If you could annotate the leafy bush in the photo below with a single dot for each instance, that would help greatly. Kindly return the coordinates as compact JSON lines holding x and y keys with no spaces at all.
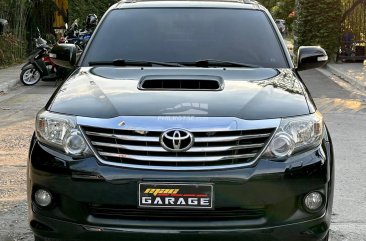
{"x":11,"y":49}
{"x":12,"y":44}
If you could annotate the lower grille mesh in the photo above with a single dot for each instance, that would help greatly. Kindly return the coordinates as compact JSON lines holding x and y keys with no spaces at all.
{"x":194,"y":215}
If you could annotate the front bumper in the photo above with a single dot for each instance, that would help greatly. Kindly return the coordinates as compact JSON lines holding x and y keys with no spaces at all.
{"x":312,"y":230}
{"x":276,"y":187}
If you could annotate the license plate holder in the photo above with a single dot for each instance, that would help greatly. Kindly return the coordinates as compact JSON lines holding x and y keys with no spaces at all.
{"x":175,"y":196}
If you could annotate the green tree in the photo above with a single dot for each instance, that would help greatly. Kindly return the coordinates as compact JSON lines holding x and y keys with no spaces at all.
{"x":42,"y":16}
{"x":82,"y":8}
{"x":268,"y":3}
{"x":319,"y":23}
{"x":283,"y":10}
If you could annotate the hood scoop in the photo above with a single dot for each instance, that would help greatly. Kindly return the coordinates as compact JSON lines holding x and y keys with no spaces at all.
{"x":181,"y":83}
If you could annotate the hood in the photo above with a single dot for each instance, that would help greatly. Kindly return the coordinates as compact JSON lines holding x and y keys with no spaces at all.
{"x":107,"y":92}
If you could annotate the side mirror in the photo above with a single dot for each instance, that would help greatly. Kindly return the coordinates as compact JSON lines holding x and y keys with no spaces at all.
{"x":3,"y":24}
{"x":64,"y":55}
{"x":311,"y":57}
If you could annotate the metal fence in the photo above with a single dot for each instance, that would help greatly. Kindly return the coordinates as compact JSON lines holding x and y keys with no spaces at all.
{"x":353,"y":39}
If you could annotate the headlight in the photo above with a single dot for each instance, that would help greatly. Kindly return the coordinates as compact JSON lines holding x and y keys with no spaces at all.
{"x":294,"y":135}
{"x":61,"y":132}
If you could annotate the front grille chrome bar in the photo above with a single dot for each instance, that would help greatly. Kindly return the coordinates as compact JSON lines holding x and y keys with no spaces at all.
{"x":198,"y":139}
{"x":125,"y":137}
{"x":229,"y":138}
{"x":160,"y":149}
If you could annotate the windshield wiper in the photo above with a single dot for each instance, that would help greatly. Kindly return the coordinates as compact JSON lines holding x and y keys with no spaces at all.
{"x":128,"y":62}
{"x":222,"y":63}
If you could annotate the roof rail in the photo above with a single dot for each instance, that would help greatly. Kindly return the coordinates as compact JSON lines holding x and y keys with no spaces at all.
{"x":243,"y":1}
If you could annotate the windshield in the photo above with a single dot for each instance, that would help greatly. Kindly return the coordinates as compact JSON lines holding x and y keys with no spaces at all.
{"x":186,"y":35}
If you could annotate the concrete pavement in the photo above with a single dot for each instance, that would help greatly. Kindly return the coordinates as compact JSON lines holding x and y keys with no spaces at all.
{"x":353,"y":73}
{"x":9,"y":78}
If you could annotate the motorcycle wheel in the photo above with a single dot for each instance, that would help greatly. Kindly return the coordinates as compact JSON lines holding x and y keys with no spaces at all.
{"x":30,"y":76}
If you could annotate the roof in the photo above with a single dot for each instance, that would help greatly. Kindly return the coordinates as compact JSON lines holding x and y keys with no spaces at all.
{"x":246,"y":4}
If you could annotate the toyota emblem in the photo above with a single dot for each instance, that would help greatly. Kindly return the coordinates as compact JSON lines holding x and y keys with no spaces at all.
{"x":176,"y":140}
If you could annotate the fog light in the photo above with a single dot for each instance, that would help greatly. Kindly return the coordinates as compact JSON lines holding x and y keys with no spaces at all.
{"x":43,"y":198}
{"x":313,"y":201}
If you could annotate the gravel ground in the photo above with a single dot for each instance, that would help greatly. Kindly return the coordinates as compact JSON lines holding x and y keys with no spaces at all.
{"x":14,"y":141}
{"x":17,"y":115}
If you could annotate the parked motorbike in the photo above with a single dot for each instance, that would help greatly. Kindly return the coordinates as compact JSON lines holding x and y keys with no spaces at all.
{"x":80,"y":37}
{"x":85,"y":34}
{"x":351,"y":51}
{"x":39,"y":66}
{"x":71,"y":34}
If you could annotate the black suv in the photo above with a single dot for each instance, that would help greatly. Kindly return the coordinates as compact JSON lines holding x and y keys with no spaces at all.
{"x":182,"y":120}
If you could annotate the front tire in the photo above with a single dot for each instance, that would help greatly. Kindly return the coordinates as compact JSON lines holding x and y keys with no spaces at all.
{"x":30,"y":76}
{"x":36,"y":238}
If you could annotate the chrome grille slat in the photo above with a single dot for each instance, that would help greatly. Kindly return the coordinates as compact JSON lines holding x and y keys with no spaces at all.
{"x":125,"y":137}
{"x":176,"y":159}
{"x":160,"y":149}
{"x":213,"y":149}
{"x":230,"y":138}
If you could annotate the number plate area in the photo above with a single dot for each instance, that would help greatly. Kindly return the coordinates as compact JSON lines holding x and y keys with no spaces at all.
{"x":175,"y":196}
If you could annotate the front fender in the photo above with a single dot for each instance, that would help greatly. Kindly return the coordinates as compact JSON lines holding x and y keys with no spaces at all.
{"x":27,"y":65}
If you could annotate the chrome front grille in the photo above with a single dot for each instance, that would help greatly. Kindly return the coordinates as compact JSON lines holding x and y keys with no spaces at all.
{"x":211,"y":149}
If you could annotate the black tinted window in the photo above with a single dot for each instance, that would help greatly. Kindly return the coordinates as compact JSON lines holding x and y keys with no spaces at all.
{"x":187,"y":35}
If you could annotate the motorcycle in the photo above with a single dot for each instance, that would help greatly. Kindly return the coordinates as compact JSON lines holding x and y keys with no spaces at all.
{"x":74,"y":35}
{"x":71,"y":34}
{"x":83,"y":39}
{"x":39,"y":66}
{"x":351,"y":51}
